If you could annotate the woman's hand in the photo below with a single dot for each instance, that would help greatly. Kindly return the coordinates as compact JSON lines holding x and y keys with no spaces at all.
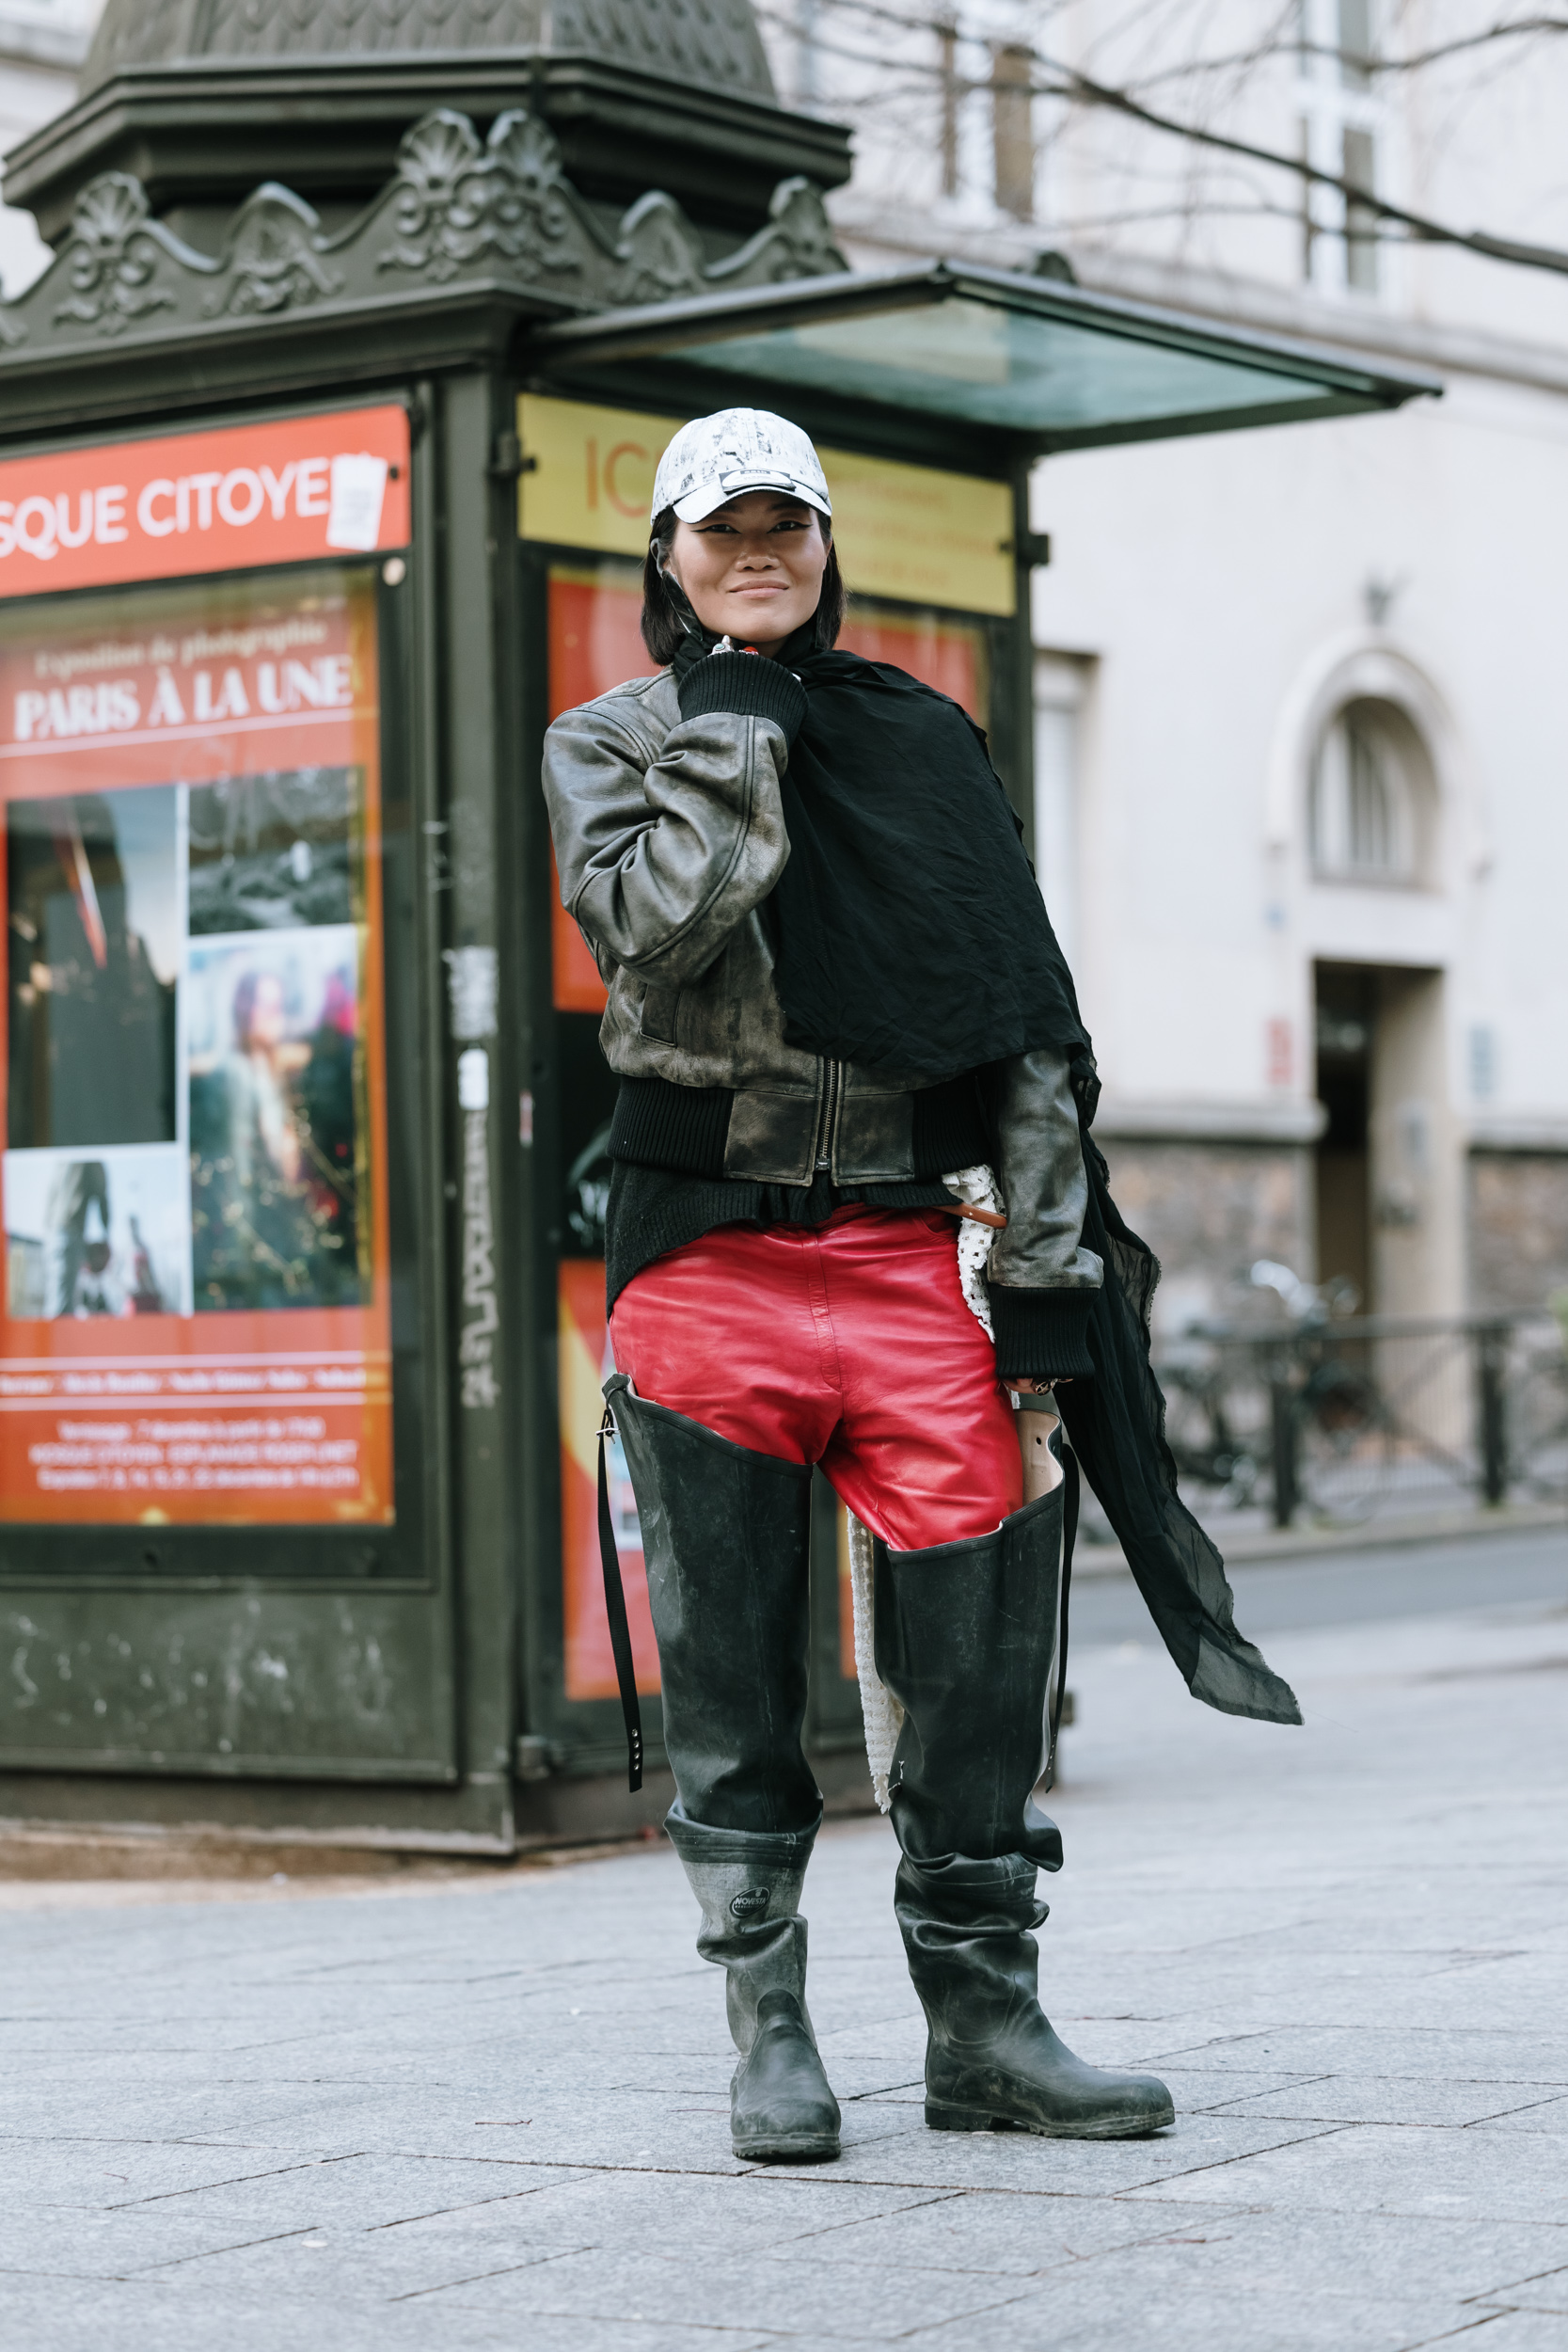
{"x":1036,"y":1388}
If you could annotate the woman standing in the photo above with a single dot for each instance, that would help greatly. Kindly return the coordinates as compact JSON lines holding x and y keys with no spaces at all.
{"x":832,"y":985}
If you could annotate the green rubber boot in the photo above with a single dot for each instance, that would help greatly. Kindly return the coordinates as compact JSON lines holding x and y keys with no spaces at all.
{"x":749,"y":1885}
{"x":966,"y":1637}
{"x":993,"y":2058}
{"x":726,"y":1539}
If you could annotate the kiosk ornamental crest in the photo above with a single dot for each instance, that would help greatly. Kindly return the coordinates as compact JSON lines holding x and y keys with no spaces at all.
{"x":457,"y":207}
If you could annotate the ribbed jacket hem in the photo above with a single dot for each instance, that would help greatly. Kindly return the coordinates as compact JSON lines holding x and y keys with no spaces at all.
{"x":1041,"y":1335}
{"x":660,"y":1125}
{"x":747,"y":683}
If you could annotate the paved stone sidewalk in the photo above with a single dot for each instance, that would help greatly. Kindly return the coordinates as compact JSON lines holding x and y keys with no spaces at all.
{"x":495,"y":2115}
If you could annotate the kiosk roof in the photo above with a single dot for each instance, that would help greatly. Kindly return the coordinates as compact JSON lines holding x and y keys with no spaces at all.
{"x":1017,"y":366}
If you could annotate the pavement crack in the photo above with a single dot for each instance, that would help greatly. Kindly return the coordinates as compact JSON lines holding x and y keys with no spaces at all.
{"x":1243,"y":2156}
{"x":237,"y":2179}
{"x":475,"y":2277}
{"x":208,"y":2253}
{"x":1448,"y":2334}
{"x":471,"y":2205}
{"x":853,"y":2221}
{"x":1534,"y":2277}
{"x":1552,"y":2099}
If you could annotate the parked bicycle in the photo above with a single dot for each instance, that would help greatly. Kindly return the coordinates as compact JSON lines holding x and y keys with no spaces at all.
{"x":1327,"y":1418}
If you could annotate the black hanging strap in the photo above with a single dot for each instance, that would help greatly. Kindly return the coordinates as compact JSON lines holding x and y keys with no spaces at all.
{"x":615,"y":1609}
{"x":1070,"y":1536}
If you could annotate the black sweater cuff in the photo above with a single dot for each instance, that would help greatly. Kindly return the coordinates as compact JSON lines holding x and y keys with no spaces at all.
{"x":747,"y":683}
{"x":1041,"y":1335}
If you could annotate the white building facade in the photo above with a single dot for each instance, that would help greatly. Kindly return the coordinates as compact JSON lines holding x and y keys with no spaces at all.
{"x":1302,"y":728}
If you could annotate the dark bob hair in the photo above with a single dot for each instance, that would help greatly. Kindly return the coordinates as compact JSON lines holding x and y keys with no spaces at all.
{"x":662,"y":628}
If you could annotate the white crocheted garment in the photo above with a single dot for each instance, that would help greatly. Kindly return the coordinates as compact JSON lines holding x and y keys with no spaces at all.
{"x":880,"y":1712}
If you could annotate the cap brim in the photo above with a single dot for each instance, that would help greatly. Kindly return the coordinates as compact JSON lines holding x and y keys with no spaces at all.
{"x":698,"y":504}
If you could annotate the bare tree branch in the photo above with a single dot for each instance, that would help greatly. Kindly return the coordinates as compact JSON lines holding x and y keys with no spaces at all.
{"x":1417,"y":224}
{"x":1529,"y":27}
{"x":1080,"y":89}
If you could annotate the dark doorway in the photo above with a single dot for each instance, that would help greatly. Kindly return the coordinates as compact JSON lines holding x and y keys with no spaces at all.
{"x":1346,"y":1018}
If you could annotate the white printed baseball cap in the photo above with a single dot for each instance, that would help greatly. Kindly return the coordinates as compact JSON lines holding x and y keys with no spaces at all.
{"x":714,"y":458}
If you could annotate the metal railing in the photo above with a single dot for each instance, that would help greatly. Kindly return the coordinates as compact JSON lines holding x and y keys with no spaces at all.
{"x":1335,"y":1421}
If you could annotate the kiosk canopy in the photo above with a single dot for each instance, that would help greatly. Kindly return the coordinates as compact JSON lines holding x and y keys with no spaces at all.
{"x":1029,"y":364}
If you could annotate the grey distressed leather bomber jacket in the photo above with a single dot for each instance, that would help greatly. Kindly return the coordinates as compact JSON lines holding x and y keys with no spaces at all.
{"x":669,"y":835}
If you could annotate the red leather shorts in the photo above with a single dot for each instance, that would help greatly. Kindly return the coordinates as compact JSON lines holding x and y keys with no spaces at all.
{"x":846,"y":1344}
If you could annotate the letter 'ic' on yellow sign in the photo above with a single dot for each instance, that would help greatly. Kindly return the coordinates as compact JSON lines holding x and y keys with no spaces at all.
{"x":909,"y":532}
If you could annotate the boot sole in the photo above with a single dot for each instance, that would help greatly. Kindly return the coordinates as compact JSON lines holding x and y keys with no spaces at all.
{"x":942,"y":2118}
{"x":805,"y":2147}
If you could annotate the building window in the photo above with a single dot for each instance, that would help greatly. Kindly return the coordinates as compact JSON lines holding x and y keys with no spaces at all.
{"x":1371,"y":798}
{"x":1061,"y":690}
{"x":1013,"y":131}
{"x":1359,"y":167}
{"x":807,"y":82}
{"x":1355,"y":44}
{"x":1343,"y":133}
{"x":948,"y":47}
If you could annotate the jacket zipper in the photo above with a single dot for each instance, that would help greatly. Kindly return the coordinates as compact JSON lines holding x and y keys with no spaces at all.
{"x":828,"y":1118}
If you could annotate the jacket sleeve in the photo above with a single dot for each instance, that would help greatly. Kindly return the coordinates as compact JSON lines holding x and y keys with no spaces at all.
{"x":1041,"y":1279}
{"x":660,"y":859}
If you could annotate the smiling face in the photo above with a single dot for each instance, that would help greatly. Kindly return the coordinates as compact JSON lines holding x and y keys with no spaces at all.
{"x":754,"y":569}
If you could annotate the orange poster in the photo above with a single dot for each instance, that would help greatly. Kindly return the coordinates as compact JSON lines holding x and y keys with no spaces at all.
{"x":196,"y":1239}
{"x":279,"y":492}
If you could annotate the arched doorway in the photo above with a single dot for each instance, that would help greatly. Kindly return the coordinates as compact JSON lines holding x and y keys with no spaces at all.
{"x":1382,"y":1179}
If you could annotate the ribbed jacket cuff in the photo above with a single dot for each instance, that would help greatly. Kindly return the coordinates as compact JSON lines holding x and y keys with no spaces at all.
{"x":1041,"y":1335}
{"x":747,"y":683}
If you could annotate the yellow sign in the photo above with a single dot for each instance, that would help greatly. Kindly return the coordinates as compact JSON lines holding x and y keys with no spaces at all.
{"x":910,"y":532}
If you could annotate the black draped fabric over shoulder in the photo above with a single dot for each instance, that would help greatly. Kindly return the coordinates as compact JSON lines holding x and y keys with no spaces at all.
{"x":909,"y":932}
{"x":1116,"y":1423}
{"x":909,"y":936}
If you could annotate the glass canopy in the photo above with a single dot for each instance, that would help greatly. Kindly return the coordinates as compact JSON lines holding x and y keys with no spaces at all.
{"x":1028,"y":364}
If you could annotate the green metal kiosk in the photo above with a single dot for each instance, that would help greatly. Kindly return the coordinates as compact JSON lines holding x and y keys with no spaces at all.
{"x":320,"y":493}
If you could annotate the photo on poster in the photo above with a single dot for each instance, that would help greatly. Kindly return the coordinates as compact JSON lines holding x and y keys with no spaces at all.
{"x":279,"y":1215}
{"x":275,"y":852}
{"x":101,"y":1234}
{"x":93,"y":943}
